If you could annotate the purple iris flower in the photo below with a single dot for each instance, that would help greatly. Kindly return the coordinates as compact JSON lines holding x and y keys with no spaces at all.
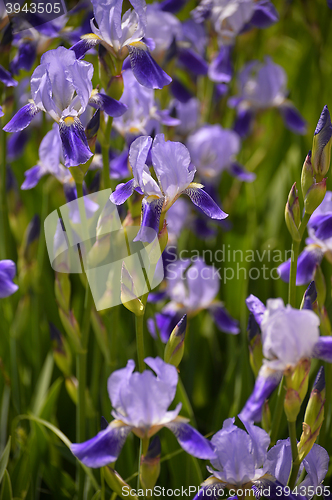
{"x":162,"y":27}
{"x":192,"y":287}
{"x":175,"y":173}
{"x":319,"y":244}
{"x":288,"y":336}
{"x":188,"y":112}
{"x":6,"y":78}
{"x":50,"y":159}
{"x":279,"y":464}
{"x":243,"y":461}
{"x":61,"y":86}
{"x":213,"y":150}
{"x":143,"y":114}
{"x":7,"y":274}
{"x":123,"y":35}
{"x":231,"y":17}
{"x":140,"y":402}
{"x":263,"y":86}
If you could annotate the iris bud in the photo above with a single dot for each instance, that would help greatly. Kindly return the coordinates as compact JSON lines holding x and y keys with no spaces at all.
{"x":321,"y":146}
{"x":150,"y":465}
{"x":314,"y":415}
{"x":175,"y":346}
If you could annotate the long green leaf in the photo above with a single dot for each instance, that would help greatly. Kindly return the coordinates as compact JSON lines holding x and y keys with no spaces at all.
{"x":65,"y":440}
{"x":4,"y":459}
{"x":6,"y":490}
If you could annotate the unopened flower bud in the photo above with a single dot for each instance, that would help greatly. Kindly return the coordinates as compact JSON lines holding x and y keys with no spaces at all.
{"x":255,"y":345}
{"x":292,"y":214}
{"x":266,"y":417}
{"x":72,"y":328}
{"x":62,"y":288}
{"x":307,"y":175}
{"x":314,"y":415}
{"x":314,"y":197}
{"x":297,"y":387}
{"x":71,"y":384}
{"x":117,"y":484}
{"x":101,"y":335}
{"x":128,"y":293}
{"x":175,"y":346}
{"x":150,"y":465}
{"x":309,"y":300}
{"x":321,"y":146}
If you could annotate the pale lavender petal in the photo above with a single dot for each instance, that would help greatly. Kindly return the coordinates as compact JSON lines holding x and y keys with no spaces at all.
{"x":115,"y":382}
{"x":165,"y":372}
{"x":191,"y":440}
{"x":316,"y":464}
{"x":103,"y":448}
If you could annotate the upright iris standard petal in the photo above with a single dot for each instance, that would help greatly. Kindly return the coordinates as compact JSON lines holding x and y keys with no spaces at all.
{"x":75,"y":145}
{"x":7,"y":274}
{"x":151,"y":212}
{"x":103,"y":448}
{"x":204,"y":201}
{"x":171,"y":162}
{"x":111,"y":106}
{"x":145,"y":68}
{"x":22,"y":118}
{"x":191,"y":440}
{"x":265,"y":384}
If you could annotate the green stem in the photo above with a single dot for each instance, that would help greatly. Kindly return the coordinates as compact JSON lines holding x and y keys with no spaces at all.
{"x":104,"y":152}
{"x":143,"y":448}
{"x":4,"y":240}
{"x":278,"y":412}
{"x":139,"y":323}
{"x":81,"y":358}
{"x":293,"y":440}
{"x":294,"y":257}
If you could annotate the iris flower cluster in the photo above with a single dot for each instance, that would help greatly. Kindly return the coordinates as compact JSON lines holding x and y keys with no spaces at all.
{"x":131,"y":121}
